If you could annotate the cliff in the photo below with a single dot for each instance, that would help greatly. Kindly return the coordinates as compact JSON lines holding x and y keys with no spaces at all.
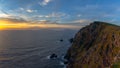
{"x":95,"y":46}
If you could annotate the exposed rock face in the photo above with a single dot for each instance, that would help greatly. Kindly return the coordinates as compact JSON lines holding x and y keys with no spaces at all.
{"x":95,"y":46}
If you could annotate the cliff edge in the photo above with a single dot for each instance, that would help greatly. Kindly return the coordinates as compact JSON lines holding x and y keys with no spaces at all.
{"x":95,"y":46}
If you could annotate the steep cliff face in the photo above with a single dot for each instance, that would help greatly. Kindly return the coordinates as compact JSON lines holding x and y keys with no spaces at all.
{"x":95,"y":46}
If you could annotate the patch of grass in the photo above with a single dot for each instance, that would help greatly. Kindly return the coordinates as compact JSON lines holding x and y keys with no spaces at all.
{"x":116,"y":65}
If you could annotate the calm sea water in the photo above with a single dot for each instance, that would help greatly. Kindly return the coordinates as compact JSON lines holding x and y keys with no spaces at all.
{"x":31,"y":48}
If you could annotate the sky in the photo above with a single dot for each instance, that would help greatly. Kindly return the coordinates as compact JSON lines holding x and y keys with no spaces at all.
{"x":60,"y":11}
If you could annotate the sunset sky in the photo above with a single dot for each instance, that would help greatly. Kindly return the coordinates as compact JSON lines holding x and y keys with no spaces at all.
{"x":58,"y":11}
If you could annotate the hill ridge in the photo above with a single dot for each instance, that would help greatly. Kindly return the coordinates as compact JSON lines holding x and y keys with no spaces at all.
{"x":95,"y":46}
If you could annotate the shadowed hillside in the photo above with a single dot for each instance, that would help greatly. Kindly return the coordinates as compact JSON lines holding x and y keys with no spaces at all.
{"x":95,"y":46}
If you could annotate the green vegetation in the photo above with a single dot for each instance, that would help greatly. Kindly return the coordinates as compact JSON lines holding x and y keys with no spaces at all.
{"x":95,"y":46}
{"x":116,"y":65}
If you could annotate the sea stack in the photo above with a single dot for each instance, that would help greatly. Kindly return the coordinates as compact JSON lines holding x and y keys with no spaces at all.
{"x":95,"y":46}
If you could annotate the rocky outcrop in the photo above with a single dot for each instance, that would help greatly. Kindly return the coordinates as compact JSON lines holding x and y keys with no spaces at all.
{"x":95,"y":46}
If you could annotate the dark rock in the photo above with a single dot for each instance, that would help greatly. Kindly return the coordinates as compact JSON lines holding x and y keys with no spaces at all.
{"x":71,"y":40}
{"x":61,"y":40}
{"x":65,"y":62}
{"x":53,"y":56}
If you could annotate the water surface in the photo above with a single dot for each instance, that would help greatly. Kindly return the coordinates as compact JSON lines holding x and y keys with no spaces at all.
{"x":30,"y":48}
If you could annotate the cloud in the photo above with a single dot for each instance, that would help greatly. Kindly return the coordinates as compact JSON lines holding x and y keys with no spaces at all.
{"x":4,"y":15}
{"x":57,"y":14}
{"x":13,"y":17}
{"x":16,"y":24}
{"x":40,"y":16}
{"x":13,"y":20}
{"x":21,"y":9}
{"x":29,"y":11}
{"x":52,"y":15}
{"x":45,"y":2}
{"x":26,"y":10}
{"x":79,"y":15}
{"x":82,"y":21}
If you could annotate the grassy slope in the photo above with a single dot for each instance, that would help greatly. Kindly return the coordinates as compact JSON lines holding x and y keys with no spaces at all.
{"x":99,"y":52}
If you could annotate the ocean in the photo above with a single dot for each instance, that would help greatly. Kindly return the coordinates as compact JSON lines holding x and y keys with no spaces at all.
{"x":32,"y":48}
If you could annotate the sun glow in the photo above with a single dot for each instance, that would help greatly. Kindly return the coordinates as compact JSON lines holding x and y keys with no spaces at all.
{"x":4,"y":26}
{"x":12,"y":25}
{"x":7,"y":25}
